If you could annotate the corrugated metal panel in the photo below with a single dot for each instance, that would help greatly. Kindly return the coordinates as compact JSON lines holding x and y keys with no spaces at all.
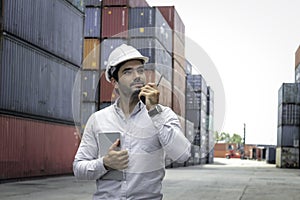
{"x":93,"y":3}
{"x":33,"y":148}
{"x":91,"y":54}
{"x":148,"y":22}
{"x":34,"y":82}
{"x":288,"y":136}
{"x":114,"y":22}
{"x":128,"y":3}
{"x":189,"y":130}
{"x":197,"y":83}
{"x":87,"y":108}
{"x":297,"y":74}
{"x":90,"y":85}
{"x":289,"y":93}
{"x":159,"y":58}
{"x":53,"y":25}
{"x":178,"y":99}
{"x":92,"y":22}
{"x":107,"y":46}
{"x":179,"y":51}
{"x":107,"y":92}
{"x":175,"y":22}
{"x":289,"y":114}
{"x":165,"y":89}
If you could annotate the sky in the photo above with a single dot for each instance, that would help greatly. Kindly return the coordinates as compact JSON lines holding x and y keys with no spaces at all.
{"x":252,"y":45}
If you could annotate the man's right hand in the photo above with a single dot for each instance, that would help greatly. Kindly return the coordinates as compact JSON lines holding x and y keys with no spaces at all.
{"x":116,"y":159}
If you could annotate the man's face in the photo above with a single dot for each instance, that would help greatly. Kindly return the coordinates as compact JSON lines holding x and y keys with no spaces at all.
{"x":131,"y":78}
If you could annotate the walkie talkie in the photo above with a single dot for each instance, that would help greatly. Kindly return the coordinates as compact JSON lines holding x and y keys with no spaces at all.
{"x":143,"y":98}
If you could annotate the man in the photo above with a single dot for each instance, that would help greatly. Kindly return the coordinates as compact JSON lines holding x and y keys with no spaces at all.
{"x":147,"y":131}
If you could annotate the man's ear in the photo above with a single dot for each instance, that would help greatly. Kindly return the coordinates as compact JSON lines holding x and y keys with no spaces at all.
{"x":114,"y":83}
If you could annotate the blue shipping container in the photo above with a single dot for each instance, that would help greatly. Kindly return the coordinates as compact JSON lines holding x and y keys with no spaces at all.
{"x":92,"y":22}
{"x":34,"y":82}
{"x":53,"y":25}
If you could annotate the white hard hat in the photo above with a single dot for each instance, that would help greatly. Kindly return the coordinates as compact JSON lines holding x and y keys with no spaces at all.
{"x":121,"y":54}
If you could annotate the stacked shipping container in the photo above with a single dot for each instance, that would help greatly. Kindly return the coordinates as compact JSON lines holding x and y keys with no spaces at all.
{"x":38,"y":69}
{"x":90,"y":71}
{"x":288,"y":131}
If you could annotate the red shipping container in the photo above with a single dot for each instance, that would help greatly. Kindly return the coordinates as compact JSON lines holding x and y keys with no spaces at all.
{"x":128,"y":3}
{"x":179,"y":88}
{"x":297,"y":57}
{"x":114,"y":22}
{"x":31,"y":148}
{"x":165,"y":88}
{"x":179,"y":51}
{"x":175,"y":22}
{"x":107,"y":91}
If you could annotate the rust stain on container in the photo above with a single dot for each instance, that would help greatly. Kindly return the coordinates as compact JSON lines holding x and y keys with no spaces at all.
{"x":114,"y":22}
{"x":31,"y":148}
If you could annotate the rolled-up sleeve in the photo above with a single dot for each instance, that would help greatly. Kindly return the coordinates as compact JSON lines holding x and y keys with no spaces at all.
{"x":87,"y":164}
{"x":175,"y":144}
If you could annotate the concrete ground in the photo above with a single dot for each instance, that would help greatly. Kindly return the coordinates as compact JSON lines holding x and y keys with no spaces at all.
{"x":232,"y":179}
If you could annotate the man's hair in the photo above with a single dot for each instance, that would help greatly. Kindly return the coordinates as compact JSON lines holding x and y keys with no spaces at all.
{"x":117,"y":68}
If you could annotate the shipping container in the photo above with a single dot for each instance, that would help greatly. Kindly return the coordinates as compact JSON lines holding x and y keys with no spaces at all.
{"x":92,"y":22}
{"x":126,"y":3}
{"x":289,"y":114}
{"x":107,"y":91}
{"x":34,"y":82}
{"x":287,"y":157}
{"x":189,"y":130}
{"x":107,"y":46}
{"x":179,"y":51}
{"x":159,"y":59}
{"x":196,"y":100}
{"x":53,"y":25}
{"x":92,"y":3}
{"x":297,"y":74}
{"x":197,"y":83}
{"x":288,"y":136}
{"x":148,"y":22}
{"x":90,"y":85}
{"x":297,"y":57}
{"x":31,"y":148}
{"x":271,"y":155}
{"x":289,"y":93}
{"x":86,"y":110}
{"x":114,"y":22}
{"x":178,"y":100}
{"x":174,"y":21}
{"x":165,"y":88}
{"x":196,"y":154}
{"x":91,"y":54}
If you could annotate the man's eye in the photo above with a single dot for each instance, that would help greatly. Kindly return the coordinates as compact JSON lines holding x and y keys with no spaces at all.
{"x":140,"y":71}
{"x":127,"y":72}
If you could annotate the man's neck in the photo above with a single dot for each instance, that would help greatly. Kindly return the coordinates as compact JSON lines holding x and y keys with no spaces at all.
{"x":127,"y":105}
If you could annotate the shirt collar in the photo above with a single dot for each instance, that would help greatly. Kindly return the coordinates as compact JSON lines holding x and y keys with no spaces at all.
{"x":138,"y":107}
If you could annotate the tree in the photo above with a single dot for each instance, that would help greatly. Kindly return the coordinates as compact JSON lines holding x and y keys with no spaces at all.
{"x":237,"y":139}
{"x":227,"y":138}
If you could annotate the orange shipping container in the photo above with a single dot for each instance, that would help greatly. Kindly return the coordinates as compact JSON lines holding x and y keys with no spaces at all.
{"x":91,"y":54}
